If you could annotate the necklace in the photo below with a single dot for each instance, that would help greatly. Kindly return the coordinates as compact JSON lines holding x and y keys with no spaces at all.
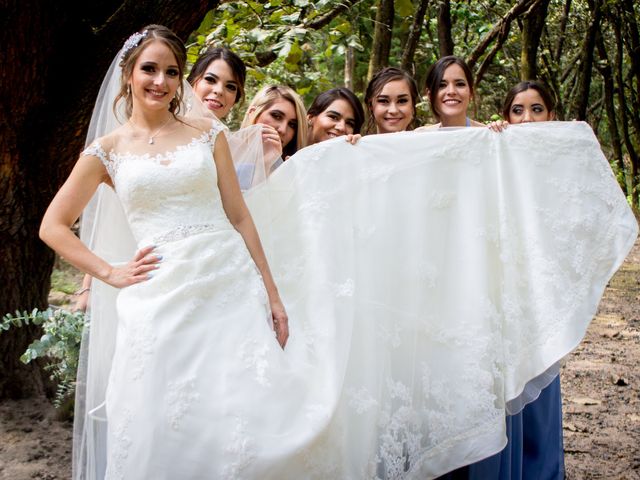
{"x":154,"y":134}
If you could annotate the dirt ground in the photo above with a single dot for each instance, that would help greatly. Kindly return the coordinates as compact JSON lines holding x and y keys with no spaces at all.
{"x":601,"y":397}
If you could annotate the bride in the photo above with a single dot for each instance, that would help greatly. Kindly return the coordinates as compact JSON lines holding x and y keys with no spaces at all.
{"x":429,"y":292}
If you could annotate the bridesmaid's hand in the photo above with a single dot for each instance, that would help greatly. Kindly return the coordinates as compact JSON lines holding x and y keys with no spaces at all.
{"x":352,"y":138}
{"x":271,"y":144}
{"x":137,"y":270}
{"x":280,"y":322}
{"x":498,"y":126}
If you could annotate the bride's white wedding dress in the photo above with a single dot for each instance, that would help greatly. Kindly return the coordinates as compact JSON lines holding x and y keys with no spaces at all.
{"x":429,"y":278}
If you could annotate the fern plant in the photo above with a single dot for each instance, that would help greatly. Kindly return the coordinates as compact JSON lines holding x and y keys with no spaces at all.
{"x":59,"y":344}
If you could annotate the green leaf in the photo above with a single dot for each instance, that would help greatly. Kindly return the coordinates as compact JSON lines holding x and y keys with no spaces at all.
{"x":295,"y":54}
{"x":344,"y":27}
{"x":207,"y":22}
{"x":404,"y":8}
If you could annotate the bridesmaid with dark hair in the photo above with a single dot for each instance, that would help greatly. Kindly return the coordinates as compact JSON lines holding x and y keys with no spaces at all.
{"x":450,"y":91}
{"x":391,"y":98}
{"x":534,"y":449}
{"x":218,"y":78}
{"x":334,"y":113}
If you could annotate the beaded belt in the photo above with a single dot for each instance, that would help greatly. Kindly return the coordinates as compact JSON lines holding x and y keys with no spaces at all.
{"x":180,"y":232}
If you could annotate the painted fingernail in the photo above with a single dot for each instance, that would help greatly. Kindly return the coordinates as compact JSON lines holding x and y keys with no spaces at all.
{"x":159,"y":257}
{"x":150,"y":275}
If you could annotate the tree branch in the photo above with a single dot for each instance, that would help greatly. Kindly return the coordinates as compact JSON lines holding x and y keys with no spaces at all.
{"x":414,"y":35}
{"x":319,"y":22}
{"x":500,"y":30}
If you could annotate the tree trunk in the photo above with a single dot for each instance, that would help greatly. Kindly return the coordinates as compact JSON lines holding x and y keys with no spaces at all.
{"x":586,"y":64}
{"x":414,"y":36}
{"x":381,"y":37}
{"x":445,"y":40}
{"x":53,"y":58}
{"x":604,"y":67}
{"x":631,"y":164}
{"x":632,"y":37}
{"x":349,"y":67}
{"x":563,"y":29}
{"x":531,"y":34}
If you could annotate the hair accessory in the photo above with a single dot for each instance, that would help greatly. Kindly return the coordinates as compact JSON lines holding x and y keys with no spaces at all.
{"x":132,"y":42}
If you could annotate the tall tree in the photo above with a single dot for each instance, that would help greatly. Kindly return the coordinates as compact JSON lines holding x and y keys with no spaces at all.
{"x":586,"y":63}
{"x":563,"y":29}
{"x":604,"y":67}
{"x":532,"y":26}
{"x":631,"y":160}
{"x":381,"y":37}
{"x":54,"y":56}
{"x":445,"y":39}
{"x":414,"y":35}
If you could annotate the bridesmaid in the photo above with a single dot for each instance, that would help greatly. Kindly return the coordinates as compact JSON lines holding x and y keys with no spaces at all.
{"x":534,"y":449}
{"x":450,"y":91}
{"x":281,"y":108}
{"x":334,"y":113}
{"x":391,"y":98}
{"x":528,"y":101}
{"x":218,"y":78}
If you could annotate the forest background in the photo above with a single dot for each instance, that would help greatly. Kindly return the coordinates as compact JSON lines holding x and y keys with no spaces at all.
{"x":55,"y":54}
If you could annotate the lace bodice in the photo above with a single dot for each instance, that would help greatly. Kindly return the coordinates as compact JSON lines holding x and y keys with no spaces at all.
{"x":167,"y":196}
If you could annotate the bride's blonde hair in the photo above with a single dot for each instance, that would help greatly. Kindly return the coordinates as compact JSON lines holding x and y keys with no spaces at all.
{"x":132,"y":49}
{"x":265,"y":98}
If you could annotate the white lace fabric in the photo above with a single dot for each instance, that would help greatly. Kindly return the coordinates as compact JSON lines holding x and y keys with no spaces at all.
{"x":430,"y":280}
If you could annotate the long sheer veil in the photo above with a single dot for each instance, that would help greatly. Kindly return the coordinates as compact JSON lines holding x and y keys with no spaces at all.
{"x":104,"y":229}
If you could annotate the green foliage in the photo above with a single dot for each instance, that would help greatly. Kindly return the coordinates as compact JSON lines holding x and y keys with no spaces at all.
{"x":59,"y":344}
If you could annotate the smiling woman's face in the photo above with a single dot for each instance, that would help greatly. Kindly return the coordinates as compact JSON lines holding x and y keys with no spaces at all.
{"x":218,"y":88}
{"x":336,"y":120}
{"x":454,"y":94}
{"x":391,"y":108}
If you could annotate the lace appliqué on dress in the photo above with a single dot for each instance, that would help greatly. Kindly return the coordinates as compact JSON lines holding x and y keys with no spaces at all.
{"x":140,"y":341}
{"x":242,"y":448}
{"x":253,"y":355}
{"x":180,"y":397}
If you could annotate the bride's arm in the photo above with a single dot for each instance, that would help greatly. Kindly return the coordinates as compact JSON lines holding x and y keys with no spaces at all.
{"x":64,"y":210}
{"x":239,"y":216}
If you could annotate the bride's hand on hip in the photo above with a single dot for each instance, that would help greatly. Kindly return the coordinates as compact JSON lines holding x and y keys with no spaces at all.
{"x":137,"y":270}
{"x":280,"y":322}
